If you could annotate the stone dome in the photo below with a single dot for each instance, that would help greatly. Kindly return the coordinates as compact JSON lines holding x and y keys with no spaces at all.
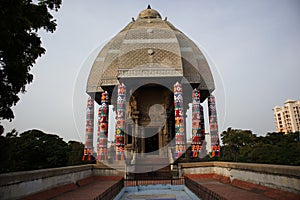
{"x":149,"y":47}
{"x":148,"y":13}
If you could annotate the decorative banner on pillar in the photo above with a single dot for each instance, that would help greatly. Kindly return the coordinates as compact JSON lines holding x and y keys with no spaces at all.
{"x":103,"y":127}
{"x":198,"y":131}
{"x":213,"y":123}
{"x":89,"y":131}
{"x":179,"y":121}
{"x":120,"y":122}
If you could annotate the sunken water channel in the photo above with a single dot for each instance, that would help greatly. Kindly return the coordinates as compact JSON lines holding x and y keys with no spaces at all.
{"x":156,"y":192}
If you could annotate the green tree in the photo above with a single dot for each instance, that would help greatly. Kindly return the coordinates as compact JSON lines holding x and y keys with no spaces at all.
{"x":274,"y":148}
{"x":20,"y":45}
{"x":8,"y":155}
{"x":235,"y":141}
{"x":75,"y":153}
{"x":35,"y":149}
{"x":277,"y":148}
{"x":275,"y":138}
{"x":39,"y":150}
{"x":1,"y":130}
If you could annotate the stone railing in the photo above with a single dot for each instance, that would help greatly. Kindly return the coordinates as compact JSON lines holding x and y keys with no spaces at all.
{"x":20,"y":184}
{"x":281,"y":177}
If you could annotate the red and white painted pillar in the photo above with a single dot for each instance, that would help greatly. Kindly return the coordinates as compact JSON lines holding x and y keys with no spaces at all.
{"x":213,"y":124}
{"x":120,"y":122}
{"x":180,"y":141}
{"x":198,"y":130}
{"x":89,"y":131}
{"x":103,"y":127}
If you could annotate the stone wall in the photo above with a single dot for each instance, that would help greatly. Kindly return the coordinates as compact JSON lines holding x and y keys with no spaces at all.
{"x":280,"y":177}
{"x":20,"y":184}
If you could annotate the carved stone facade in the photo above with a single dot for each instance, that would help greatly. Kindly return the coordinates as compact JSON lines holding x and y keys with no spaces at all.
{"x":150,"y":119}
{"x":149,"y":56}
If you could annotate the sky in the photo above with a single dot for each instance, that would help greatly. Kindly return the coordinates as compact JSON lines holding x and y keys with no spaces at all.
{"x":252,"y":48}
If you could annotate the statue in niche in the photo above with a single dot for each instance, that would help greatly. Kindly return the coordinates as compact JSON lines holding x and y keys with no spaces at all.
{"x":133,"y":103}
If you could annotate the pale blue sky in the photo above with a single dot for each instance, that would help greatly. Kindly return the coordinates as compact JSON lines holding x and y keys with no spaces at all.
{"x":254,"y":46}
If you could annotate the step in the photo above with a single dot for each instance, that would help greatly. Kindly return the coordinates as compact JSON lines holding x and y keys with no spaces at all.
{"x":152,"y":161}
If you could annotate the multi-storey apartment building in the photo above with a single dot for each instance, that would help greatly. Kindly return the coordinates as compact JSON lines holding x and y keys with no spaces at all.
{"x":287,"y":117}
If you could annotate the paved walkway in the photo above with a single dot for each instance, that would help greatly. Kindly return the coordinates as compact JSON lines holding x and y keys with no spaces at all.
{"x":109,"y":186}
{"x":227,"y":191}
{"x":211,"y":186}
{"x":86,"y":189}
{"x":93,"y":190}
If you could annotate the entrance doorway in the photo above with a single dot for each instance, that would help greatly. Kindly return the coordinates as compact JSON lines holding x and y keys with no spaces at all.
{"x":152,"y":143}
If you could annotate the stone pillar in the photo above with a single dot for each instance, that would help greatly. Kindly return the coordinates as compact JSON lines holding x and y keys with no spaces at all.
{"x":135,"y":138}
{"x":202,"y":133}
{"x":179,"y":121}
{"x":165,"y":132}
{"x":103,"y":127}
{"x":136,"y":134}
{"x":160,"y":140}
{"x":143,"y":141}
{"x":198,"y":132}
{"x":135,"y":131}
{"x":89,"y":134}
{"x":120,"y":122}
{"x":213,"y":124}
{"x":132,"y":136}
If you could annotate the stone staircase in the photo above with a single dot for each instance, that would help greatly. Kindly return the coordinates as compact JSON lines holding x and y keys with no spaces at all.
{"x":117,"y":165}
{"x":152,"y":167}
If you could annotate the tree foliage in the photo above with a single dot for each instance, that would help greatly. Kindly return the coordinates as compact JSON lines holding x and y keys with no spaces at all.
{"x":235,"y":140}
{"x":20,"y":45}
{"x":35,"y":149}
{"x":274,"y":148}
{"x":75,"y":153}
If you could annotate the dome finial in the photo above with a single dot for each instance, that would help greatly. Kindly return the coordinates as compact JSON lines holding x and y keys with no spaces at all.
{"x":148,"y":13}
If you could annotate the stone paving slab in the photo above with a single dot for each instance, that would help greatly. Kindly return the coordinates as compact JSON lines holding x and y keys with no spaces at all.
{"x":228,"y":191}
{"x":235,"y":191}
{"x":94,"y":187}
{"x":91,"y":190}
{"x":85,"y":189}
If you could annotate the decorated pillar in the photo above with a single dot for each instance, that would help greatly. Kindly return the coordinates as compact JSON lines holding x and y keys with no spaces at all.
{"x":213,"y":124}
{"x":120,"y":122}
{"x":198,"y":130}
{"x":103,"y":127}
{"x":179,"y":121}
{"x":89,"y":131}
{"x":202,"y":130}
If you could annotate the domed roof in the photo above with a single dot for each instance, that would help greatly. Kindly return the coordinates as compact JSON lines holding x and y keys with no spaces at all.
{"x":148,"y":13}
{"x":149,"y":47}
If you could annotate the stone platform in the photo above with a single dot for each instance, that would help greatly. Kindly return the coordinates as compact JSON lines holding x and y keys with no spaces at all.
{"x":221,"y":180}
{"x":98,"y":187}
{"x":204,"y":186}
{"x":211,"y":186}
